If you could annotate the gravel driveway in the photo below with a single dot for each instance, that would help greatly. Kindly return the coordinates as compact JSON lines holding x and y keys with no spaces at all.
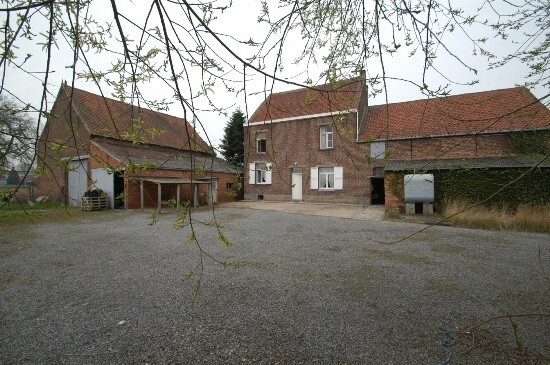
{"x":108,"y":288}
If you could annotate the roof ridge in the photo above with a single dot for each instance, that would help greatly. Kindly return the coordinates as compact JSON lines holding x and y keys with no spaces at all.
{"x":129,"y":104}
{"x":342,"y":83}
{"x":452,"y":96}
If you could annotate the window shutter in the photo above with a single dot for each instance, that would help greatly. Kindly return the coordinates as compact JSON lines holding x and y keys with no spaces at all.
{"x":314,"y":178}
{"x":338,"y":178}
{"x":268,"y":173}
{"x":252,"y":173}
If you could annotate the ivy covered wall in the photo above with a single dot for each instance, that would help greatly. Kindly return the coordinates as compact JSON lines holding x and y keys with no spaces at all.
{"x":475,"y":185}
{"x":531,"y":142}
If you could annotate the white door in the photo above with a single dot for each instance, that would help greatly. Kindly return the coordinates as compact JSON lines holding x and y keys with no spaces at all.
{"x":296,"y":186}
{"x":77,"y":181}
{"x":214,"y":190}
{"x":106,"y":182}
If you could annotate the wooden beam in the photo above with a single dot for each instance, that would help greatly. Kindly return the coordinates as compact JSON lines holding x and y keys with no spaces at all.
{"x":141,"y":201}
{"x":178,"y":198}
{"x":159,"y":189}
{"x":195,"y":195}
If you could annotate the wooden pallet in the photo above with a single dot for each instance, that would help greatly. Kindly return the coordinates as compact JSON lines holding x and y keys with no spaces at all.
{"x":94,"y":203}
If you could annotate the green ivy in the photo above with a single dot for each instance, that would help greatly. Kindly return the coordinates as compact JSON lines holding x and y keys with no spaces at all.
{"x":395,"y":183}
{"x":475,"y":185}
{"x":531,"y":142}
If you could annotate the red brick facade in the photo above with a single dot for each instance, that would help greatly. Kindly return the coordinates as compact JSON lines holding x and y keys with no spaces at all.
{"x":296,"y":144}
{"x":466,"y":127}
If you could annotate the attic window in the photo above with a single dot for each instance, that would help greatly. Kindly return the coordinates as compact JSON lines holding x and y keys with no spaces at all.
{"x":377,"y":150}
{"x":261,"y":143}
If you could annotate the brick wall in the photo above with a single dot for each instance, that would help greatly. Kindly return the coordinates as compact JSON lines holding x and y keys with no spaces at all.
{"x":62,"y":126}
{"x":451,"y":147}
{"x":99,"y":159}
{"x":297,"y":145}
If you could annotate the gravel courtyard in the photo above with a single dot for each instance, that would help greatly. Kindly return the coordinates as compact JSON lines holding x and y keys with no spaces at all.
{"x":109,"y":288}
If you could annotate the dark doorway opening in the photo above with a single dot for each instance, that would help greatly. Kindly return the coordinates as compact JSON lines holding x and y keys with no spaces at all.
{"x":377,"y":193}
{"x":118,"y":182}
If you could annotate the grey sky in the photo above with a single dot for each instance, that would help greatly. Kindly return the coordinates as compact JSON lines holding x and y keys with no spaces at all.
{"x":240,"y":22}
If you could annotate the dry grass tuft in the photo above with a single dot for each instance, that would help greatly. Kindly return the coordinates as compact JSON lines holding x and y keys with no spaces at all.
{"x":528,"y":218}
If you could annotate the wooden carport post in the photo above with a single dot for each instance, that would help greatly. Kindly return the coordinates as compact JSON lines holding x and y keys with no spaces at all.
{"x":178,"y":197}
{"x":141,"y":202}
{"x":159,"y":204}
{"x":195,"y":194}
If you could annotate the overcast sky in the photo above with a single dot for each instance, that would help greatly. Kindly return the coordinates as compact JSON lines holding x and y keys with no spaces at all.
{"x":240,"y":22}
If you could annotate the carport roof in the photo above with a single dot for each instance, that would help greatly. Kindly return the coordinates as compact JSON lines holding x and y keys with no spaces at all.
{"x":163,"y":158}
{"x":169,"y":180}
{"x":466,"y":163}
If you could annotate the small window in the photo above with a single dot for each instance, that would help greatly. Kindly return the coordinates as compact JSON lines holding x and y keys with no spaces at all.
{"x":378,"y":150}
{"x":326,"y":137}
{"x":261,"y":142}
{"x":326,"y":178}
{"x":229,"y":186}
{"x":261,"y":173}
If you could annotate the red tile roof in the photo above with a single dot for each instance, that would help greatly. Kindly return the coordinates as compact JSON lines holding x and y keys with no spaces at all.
{"x":111,"y":118}
{"x":482,"y":112}
{"x":344,"y":95}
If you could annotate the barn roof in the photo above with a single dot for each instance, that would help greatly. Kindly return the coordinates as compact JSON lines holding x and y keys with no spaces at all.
{"x":163,"y":157}
{"x":328,"y":98}
{"x":504,"y":110}
{"x":112,"y":118}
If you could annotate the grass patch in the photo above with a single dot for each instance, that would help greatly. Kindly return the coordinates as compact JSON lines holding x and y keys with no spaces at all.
{"x":39,"y":213}
{"x":526,"y":218}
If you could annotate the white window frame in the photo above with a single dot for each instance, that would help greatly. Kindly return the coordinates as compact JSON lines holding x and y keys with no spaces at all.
{"x":261,"y":136}
{"x":326,"y":137}
{"x":378,"y":150}
{"x":326,"y":178}
{"x":338,"y":178}
{"x":261,"y":169}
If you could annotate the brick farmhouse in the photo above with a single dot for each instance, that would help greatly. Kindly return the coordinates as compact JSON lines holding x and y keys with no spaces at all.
{"x":326,"y":144}
{"x":92,"y":142}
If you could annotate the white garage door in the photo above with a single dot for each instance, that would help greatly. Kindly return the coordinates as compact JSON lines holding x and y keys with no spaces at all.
{"x":104,"y":181}
{"x":78,"y":181}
